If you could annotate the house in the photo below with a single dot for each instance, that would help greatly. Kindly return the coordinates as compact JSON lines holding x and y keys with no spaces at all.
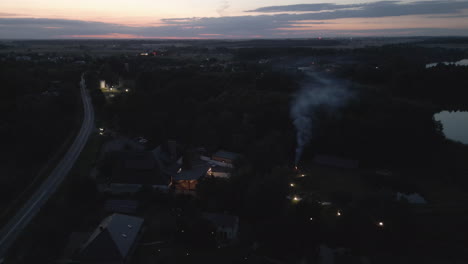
{"x":113,"y":241}
{"x":332,"y":161}
{"x":129,"y":171}
{"x":414,"y":198}
{"x":227,"y":226}
{"x":221,"y":158}
{"x":187,"y":179}
{"x":219,"y":171}
{"x":225,"y":157}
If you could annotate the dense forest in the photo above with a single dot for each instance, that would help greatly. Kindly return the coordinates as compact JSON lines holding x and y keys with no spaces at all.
{"x":248,"y":110}
{"x":41,"y":113}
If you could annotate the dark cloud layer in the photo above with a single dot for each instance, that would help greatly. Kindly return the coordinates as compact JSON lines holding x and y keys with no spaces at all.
{"x":263,"y":25}
{"x":303,"y":8}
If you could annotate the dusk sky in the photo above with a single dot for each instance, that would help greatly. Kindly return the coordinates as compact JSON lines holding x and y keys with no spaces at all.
{"x":204,"y":19}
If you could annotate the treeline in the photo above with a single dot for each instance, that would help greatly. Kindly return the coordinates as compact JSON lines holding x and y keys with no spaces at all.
{"x":400,"y":71}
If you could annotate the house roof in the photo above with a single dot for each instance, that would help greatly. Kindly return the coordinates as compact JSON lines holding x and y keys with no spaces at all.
{"x":414,"y":198}
{"x":139,"y":160}
{"x":136,"y":167}
{"x":222,"y":220}
{"x":113,"y":239}
{"x":226,"y":155}
{"x":220,"y":169}
{"x":121,"y":206}
{"x":194,"y":173}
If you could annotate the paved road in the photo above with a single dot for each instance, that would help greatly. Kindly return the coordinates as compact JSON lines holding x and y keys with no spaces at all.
{"x":13,"y":228}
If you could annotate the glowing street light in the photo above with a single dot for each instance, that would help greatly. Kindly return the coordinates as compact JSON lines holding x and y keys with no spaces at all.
{"x":311,"y":219}
{"x":101,"y":129}
{"x":380,"y":224}
{"x":292,"y":184}
{"x":338,"y":213}
{"x":296,"y":198}
{"x":127,"y":90}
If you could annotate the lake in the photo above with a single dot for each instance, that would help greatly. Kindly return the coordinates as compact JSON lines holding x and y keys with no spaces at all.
{"x":457,"y":63}
{"x":455,"y":125}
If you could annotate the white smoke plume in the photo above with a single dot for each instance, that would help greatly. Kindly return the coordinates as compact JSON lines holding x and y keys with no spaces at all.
{"x":224,"y":5}
{"x":315,"y":92}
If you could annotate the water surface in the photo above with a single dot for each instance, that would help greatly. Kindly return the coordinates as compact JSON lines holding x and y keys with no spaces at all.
{"x":457,"y":63}
{"x":455,"y":125}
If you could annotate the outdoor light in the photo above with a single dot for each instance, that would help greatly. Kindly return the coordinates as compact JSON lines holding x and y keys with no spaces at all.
{"x":311,"y":219}
{"x":381,"y":224}
{"x":296,"y":198}
{"x":126,"y":90}
{"x":292,"y":184}
{"x":338,"y":213}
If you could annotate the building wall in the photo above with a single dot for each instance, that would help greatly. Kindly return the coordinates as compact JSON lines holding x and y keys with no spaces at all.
{"x":186,"y":185}
{"x":221,"y":174}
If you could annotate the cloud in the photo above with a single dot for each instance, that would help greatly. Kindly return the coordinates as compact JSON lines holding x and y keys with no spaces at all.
{"x":374,"y":9}
{"x":306,"y":23}
{"x":8,"y":15}
{"x":303,"y":8}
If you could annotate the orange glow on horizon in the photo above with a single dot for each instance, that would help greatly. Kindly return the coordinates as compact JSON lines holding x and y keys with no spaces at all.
{"x":123,"y":36}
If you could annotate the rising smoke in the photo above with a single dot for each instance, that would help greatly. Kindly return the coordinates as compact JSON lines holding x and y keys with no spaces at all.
{"x":223,"y":6}
{"x":316,"y":92}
